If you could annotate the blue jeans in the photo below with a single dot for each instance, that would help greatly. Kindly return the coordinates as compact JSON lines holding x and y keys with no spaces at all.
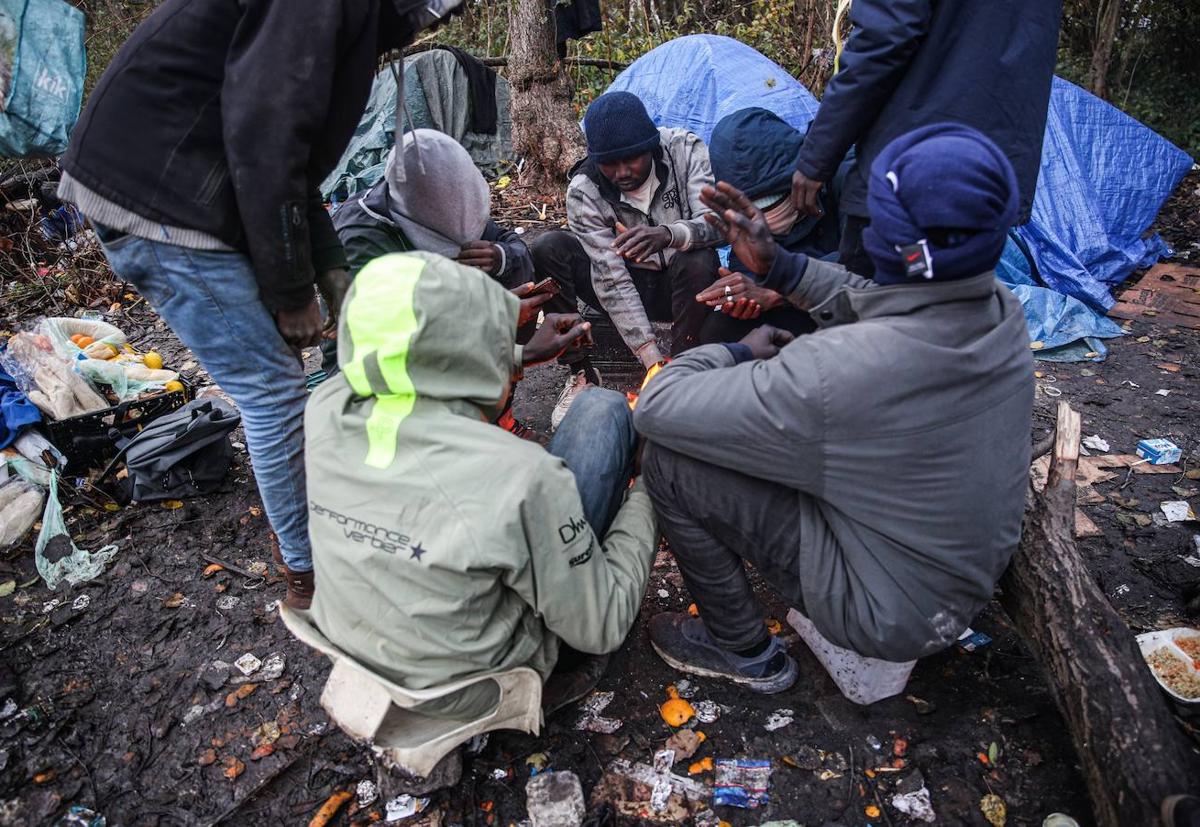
{"x":597,"y":442}
{"x":210,"y":299}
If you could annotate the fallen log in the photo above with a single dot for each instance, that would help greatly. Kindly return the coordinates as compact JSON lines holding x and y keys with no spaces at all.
{"x":1132,"y":751}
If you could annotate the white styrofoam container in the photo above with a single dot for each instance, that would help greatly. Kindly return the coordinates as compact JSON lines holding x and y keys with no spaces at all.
{"x":1150,"y":641}
{"x":861,"y":679}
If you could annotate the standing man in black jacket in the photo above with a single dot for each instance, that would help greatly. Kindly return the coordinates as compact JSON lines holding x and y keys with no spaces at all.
{"x":911,"y":63}
{"x":198,"y":159}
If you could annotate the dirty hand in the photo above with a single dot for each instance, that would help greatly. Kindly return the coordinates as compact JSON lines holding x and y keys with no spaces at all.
{"x":301,"y":326}
{"x":742,"y":224}
{"x":558,"y":332}
{"x":482,"y":254}
{"x":333,"y":285}
{"x":805,"y":192}
{"x":641,"y":242}
{"x":739,"y":296}
{"x":529,"y":304}
{"x":764,"y":342}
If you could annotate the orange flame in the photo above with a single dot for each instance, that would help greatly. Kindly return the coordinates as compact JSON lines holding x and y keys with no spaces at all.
{"x":650,"y":374}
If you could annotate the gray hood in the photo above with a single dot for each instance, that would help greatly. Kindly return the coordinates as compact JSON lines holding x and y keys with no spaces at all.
{"x":436,"y":195}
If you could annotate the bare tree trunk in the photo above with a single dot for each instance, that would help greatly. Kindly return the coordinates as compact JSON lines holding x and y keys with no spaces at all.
{"x":544,"y":129}
{"x":1108,"y":17}
{"x":1132,"y":752}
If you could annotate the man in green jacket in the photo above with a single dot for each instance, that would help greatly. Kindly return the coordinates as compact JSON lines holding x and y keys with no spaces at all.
{"x":444,"y":546}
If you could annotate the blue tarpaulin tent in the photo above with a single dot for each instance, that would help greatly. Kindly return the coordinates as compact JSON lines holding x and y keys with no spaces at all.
{"x":1103,"y":178}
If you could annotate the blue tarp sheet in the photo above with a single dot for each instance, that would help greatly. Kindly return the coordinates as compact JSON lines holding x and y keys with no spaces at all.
{"x":1103,"y":178}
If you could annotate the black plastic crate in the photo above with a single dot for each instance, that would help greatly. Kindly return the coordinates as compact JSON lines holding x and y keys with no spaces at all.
{"x":87,"y":440}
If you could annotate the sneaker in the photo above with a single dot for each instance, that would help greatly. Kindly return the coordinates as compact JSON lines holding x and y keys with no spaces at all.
{"x":1181,"y":811}
{"x":576,"y":382}
{"x":685,"y":644}
{"x":300,"y":589}
{"x":564,"y":688}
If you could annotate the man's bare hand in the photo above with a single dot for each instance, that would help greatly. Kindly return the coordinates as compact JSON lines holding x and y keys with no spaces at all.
{"x":641,"y":242}
{"x":739,"y":296}
{"x":742,"y":224}
{"x":529,"y":304}
{"x":559,"y":331}
{"x":805,"y":194}
{"x":482,"y":254}
{"x":333,"y":285}
{"x":300,"y":327}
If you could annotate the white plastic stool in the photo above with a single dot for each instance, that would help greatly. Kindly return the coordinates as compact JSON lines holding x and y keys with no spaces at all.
{"x":373,"y":710}
{"x":861,"y":679}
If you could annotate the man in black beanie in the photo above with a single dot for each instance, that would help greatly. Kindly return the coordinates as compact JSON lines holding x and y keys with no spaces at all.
{"x":637,"y":226}
{"x":834,"y":462}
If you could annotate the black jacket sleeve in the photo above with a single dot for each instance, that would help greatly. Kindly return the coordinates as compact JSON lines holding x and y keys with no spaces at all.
{"x":884,"y":37}
{"x":279,"y":78}
{"x":518,"y":261}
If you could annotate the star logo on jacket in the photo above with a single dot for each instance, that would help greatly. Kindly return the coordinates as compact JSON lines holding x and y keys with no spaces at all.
{"x":417,"y":552}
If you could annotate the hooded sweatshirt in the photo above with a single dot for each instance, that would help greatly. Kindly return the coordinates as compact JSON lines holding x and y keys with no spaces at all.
{"x":445,"y":547}
{"x":432,"y":197}
{"x":755,"y":150}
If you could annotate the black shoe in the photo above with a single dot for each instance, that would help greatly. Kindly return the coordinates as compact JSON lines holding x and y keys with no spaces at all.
{"x":1181,"y":811}
{"x":684,"y":643}
{"x":565,"y":688}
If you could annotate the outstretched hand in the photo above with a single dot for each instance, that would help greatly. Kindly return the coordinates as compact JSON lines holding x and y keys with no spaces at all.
{"x":766,"y":341}
{"x":559,"y":331}
{"x":739,"y":296}
{"x":530,"y":305}
{"x":742,"y":224}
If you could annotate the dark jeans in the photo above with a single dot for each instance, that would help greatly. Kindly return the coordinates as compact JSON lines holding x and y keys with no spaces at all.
{"x":668,"y":295}
{"x":851,"y":253}
{"x":597,"y":441}
{"x":716,"y":520}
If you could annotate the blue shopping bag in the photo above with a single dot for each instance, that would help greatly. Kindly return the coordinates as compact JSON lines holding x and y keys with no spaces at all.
{"x":42,"y":69}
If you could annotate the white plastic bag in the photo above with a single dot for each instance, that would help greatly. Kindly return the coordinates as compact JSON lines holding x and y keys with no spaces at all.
{"x":20,"y":505}
{"x":78,"y":565}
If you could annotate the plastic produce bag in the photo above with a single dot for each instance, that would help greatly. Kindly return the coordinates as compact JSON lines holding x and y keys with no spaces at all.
{"x":71,"y":563}
{"x":107,"y":339}
{"x":20,"y":505}
{"x":47,"y":379}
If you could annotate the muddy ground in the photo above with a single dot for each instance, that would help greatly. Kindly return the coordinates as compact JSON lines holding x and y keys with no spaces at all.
{"x":125,"y":715}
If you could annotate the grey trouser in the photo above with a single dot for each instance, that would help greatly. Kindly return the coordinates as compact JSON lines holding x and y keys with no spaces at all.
{"x":716,"y":520}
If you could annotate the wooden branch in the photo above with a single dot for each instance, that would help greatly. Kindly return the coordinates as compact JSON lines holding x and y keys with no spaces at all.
{"x":1130,"y":748}
{"x":600,"y":63}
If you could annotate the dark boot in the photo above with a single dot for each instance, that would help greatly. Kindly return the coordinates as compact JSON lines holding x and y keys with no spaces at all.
{"x":300,"y":589}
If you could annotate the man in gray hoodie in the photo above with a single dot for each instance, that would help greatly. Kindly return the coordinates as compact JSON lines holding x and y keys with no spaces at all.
{"x":874,"y":471}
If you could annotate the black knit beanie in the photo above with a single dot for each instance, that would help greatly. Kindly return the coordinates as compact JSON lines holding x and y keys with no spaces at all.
{"x":617,"y":126}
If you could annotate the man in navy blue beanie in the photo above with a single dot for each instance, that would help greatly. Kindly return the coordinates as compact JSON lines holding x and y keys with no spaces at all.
{"x":834,"y":462}
{"x":638,"y":247}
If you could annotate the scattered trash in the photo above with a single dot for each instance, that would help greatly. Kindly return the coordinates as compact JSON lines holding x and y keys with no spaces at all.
{"x":707,"y":711}
{"x":242,"y":692}
{"x":555,"y":799}
{"x":916,"y":805}
{"x":330,"y":808}
{"x":970,"y":640}
{"x":1162,"y":392}
{"x":702,"y":766}
{"x":923,"y":706}
{"x":993,"y":753}
{"x":1178,"y":511}
{"x":247,"y":664}
{"x":537,"y":763}
{"x":82,"y":602}
{"x":685,"y":688}
{"x":591,"y":720}
{"x":660,"y":796}
{"x":174,"y":601}
{"x":1095,"y":443}
{"x":194,"y":713}
{"x":684,"y":743}
{"x":663,"y":593}
{"x":874,"y":743}
{"x":71,"y":563}
{"x":675,"y":710}
{"x":1059,"y":820}
{"x":79,"y":816}
{"x":741,"y":782}
{"x":366,"y":793}
{"x":211,"y":569}
{"x":500,"y":774}
{"x":625,"y":784}
{"x":266,"y":733}
{"x":773,"y":626}
{"x":900,"y":747}
{"x":871,"y":811}
{"x":993,"y":809}
{"x":233,"y":768}
{"x":404,"y":806}
{"x":272,"y":667}
{"x":779,"y":719}
{"x":1159,"y":451}
{"x":7,"y":587}
{"x":227,"y":601}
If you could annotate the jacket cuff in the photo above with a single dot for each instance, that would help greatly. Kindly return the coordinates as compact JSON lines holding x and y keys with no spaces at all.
{"x":786,"y":271}
{"x":649,"y":354}
{"x":291,"y":298}
{"x":503,"y":258}
{"x":739,"y":352}
{"x":811,"y":170}
{"x":681,"y":235}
